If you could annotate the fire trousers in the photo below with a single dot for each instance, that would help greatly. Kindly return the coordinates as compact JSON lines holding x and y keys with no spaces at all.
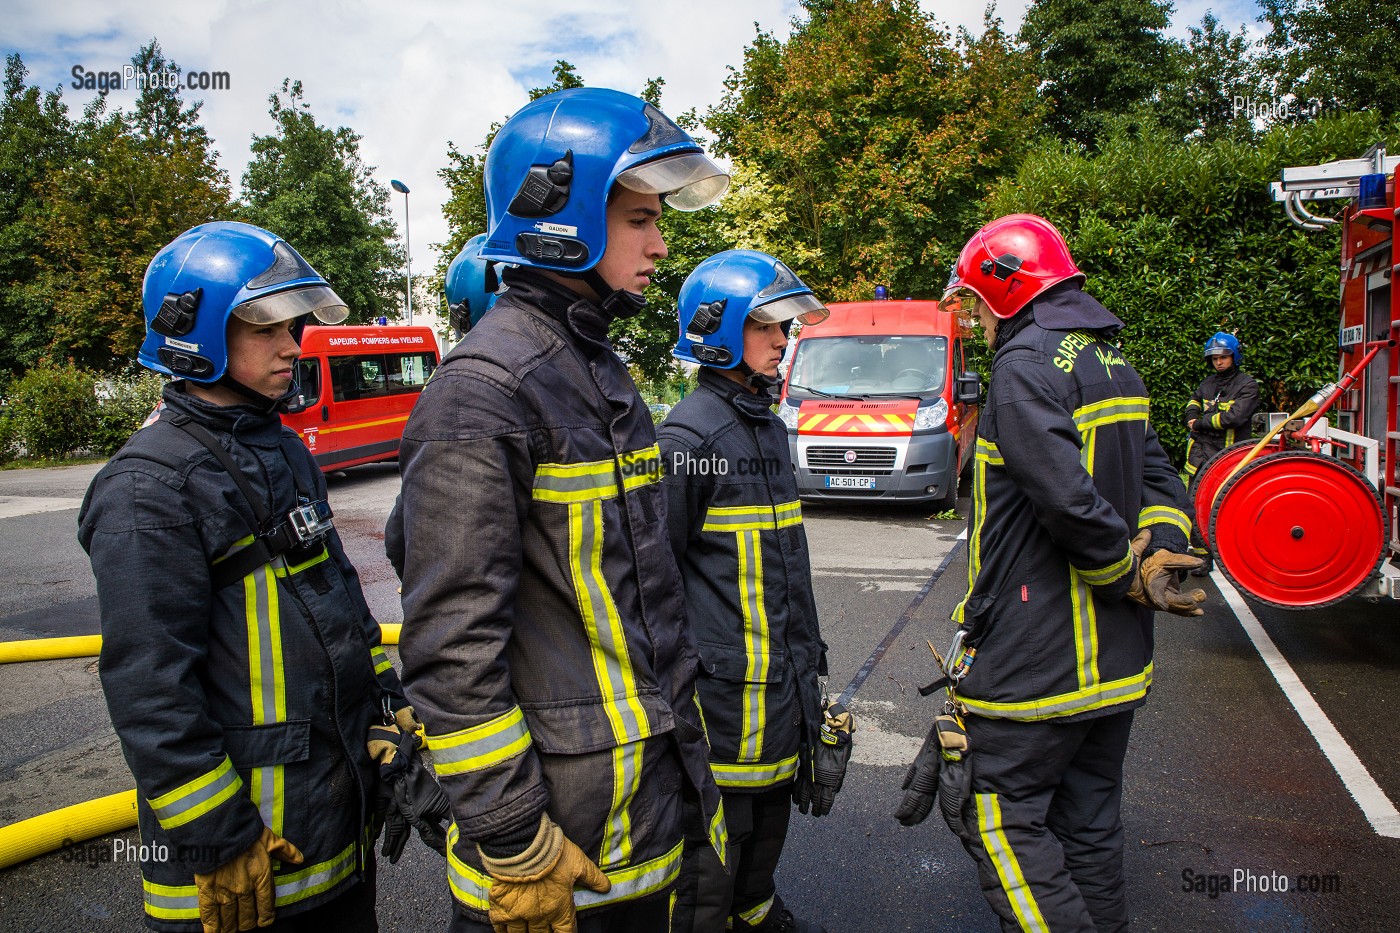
{"x":1049,"y":842}
{"x":708,"y":896}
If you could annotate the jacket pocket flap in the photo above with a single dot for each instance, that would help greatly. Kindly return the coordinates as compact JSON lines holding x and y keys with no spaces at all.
{"x":277,"y":743}
{"x":724,"y":662}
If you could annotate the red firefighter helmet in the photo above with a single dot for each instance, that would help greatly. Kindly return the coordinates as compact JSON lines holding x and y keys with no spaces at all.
{"x":1010,"y":261}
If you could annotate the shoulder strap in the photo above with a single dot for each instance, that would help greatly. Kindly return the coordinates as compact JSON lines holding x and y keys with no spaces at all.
{"x":238,"y":565}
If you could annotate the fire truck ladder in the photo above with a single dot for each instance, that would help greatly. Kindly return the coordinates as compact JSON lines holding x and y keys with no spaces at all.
{"x":1333,"y":181}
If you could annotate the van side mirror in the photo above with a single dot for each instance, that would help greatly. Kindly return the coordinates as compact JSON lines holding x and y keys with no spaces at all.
{"x":967,"y":389}
{"x":296,"y":405}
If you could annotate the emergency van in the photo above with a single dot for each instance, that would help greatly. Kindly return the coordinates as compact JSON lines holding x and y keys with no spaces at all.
{"x":357,"y":386}
{"x":878,"y":405}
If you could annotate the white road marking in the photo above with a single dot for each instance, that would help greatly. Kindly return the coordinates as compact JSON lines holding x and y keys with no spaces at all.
{"x":1375,"y":806}
{"x":14,"y":506}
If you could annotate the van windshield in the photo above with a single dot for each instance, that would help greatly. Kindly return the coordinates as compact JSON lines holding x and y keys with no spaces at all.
{"x":869,"y":365}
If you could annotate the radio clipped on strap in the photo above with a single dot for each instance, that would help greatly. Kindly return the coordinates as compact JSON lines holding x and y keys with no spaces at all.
{"x":302,"y":529}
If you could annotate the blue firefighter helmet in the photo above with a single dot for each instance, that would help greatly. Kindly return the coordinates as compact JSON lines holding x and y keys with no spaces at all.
{"x":1221,"y":344}
{"x":215,"y":270}
{"x":551,"y":167}
{"x":470,"y":286}
{"x":727,"y":289}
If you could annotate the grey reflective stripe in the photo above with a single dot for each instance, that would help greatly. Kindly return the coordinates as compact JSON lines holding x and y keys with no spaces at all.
{"x":737,"y":775}
{"x":265,"y":647}
{"x":627,"y":780}
{"x":1008,"y":868}
{"x":1080,"y":701}
{"x":611,"y":661}
{"x":472,"y":887}
{"x":171,"y":902}
{"x":756,"y":646}
{"x":481,"y":746}
{"x":1086,"y":633}
{"x":308,"y":882}
{"x":195,"y":798}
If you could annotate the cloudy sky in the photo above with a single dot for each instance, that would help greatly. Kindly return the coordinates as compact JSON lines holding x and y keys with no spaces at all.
{"x":430,"y":71}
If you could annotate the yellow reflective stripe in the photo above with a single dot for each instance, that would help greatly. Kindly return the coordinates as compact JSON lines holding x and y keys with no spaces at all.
{"x":308,"y":882}
{"x":728,"y":519}
{"x":597,"y":479}
{"x":267,"y":685}
{"x":472,"y":887}
{"x":979,"y":518}
{"x":1164,"y":515}
{"x":756,"y":647}
{"x":380,"y":658}
{"x":195,"y":798}
{"x":640,"y":467}
{"x":837,"y":421}
{"x":987,"y":452}
{"x":281,"y":569}
{"x":1105,"y":575}
{"x":170,"y":901}
{"x":237,"y":546}
{"x":612,"y":661}
{"x":1105,"y":693}
{"x":1087,"y":450}
{"x":756,"y":915}
{"x":719,"y":834}
{"x":1086,"y":630}
{"x":1008,"y":867}
{"x":1111,"y":411}
{"x":761,"y":775}
{"x":1229,"y":437}
{"x":617,"y":831}
{"x":575,"y":482}
{"x":481,"y":746}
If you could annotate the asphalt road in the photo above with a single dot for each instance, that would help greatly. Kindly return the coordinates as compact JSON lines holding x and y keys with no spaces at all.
{"x":1224,"y":778}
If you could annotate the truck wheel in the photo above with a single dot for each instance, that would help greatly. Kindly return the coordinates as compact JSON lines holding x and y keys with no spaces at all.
{"x":949,"y":499}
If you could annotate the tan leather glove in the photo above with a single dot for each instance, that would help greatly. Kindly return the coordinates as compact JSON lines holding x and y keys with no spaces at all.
{"x":533,"y":892}
{"x":1155,"y":579}
{"x":239,"y":895}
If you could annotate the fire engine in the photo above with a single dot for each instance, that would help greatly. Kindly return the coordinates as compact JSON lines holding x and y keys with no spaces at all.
{"x":1307,"y":516}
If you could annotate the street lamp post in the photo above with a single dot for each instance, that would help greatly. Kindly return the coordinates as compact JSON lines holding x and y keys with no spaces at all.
{"x":407,"y":247}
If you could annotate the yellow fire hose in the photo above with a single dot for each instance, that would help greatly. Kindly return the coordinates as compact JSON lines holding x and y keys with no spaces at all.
{"x":33,"y":837}
{"x":90,"y":646}
{"x":46,"y":832}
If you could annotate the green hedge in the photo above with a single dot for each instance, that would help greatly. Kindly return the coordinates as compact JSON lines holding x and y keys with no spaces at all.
{"x":56,"y":410}
{"x":1181,"y":240}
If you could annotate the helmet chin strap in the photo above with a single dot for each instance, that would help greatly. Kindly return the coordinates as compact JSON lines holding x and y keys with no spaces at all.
{"x":756,"y":379}
{"x":260,"y":401}
{"x":616,"y":301}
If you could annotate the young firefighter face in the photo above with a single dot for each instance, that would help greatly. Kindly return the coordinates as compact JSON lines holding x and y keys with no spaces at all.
{"x":764,"y":345}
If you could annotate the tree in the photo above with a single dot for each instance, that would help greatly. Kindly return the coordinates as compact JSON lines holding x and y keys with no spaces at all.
{"x":134,"y":183}
{"x":1182,"y":239}
{"x":1096,"y":59}
{"x":36,"y":138}
{"x":1218,"y":87}
{"x":307,"y":184}
{"x":1336,"y":54}
{"x":872,"y":136}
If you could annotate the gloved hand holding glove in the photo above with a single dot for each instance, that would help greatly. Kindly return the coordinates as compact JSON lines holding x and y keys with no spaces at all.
{"x":1156,"y":582}
{"x":239,"y":894}
{"x":940,"y":771}
{"x":407,"y":796}
{"x":533,"y":892}
{"x":829,"y":760}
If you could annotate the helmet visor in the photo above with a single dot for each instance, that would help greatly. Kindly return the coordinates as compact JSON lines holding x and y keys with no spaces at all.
{"x":803,"y":308}
{"x":688,"y":180}
{"x":1219,"y":350}
{"x":319,"y":300}
{"x":960,"y":300}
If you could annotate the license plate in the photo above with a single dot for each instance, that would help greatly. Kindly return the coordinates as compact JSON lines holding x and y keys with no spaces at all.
{"x":849,"y":482}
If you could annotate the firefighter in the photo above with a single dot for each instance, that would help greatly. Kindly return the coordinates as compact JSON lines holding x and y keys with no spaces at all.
{"x":1223,"y":404}
{"x":242,"y":668}
{"x":544,"y":640}
{"x":470,"y":286}
{"x":1076,"y":508}
{"x":736,"y":529}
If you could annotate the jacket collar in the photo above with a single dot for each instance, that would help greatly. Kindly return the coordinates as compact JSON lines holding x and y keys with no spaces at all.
{"x":582,"y":317}
{"x":246,"y":422}
{"x":753,"y":404}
